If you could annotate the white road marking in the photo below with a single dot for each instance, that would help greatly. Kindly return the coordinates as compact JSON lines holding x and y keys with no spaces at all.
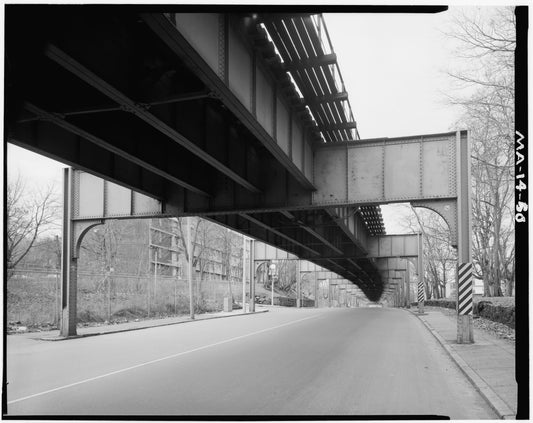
{"x":158,"y":360}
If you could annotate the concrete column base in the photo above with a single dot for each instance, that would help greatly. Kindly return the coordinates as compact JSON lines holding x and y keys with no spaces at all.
{"x":69,"y":306}
{"x":228,"y":306}
{"x":465,"y":329}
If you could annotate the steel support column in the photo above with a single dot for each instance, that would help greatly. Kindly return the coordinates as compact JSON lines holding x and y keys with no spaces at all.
{"x":73,"y":233}
{"x":69,"y":263}
{"x":189,"y":268}
{"x":404,"y":295}
{"x":243,"y":274}
{"x":298,"y":285}
{"x":420,"y":274}
{"x":315,"y":276}
{"x":252,"y":277}
{"x":408,"y":283}
{"x":465,"y":330}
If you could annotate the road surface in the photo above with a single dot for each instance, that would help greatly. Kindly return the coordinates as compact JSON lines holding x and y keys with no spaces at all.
{"x":366,"y":361}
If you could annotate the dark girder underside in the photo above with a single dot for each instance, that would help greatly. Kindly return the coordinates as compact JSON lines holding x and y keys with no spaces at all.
{"x":95,"y":87}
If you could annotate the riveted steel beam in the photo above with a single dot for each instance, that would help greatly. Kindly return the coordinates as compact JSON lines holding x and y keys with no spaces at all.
{"x":278,"y":233}
{"x":114,"y":108}
{"x":339,"y":257}
{"x":230,"y":72}
{"x":336,"y":126}
{"x":383,"y":246}
{"x":63,"y":59}
{"x":329,"y":98}
{"x":326,"y":59}
{"x":313,"y":232}
{"x":374,"y":171}
{"x":350,"y":223}
{"x":57,"y":120}
{"x":67,"y":147}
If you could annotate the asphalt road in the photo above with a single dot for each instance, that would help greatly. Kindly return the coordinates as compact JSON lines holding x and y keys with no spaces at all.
{"x":284,"y":362}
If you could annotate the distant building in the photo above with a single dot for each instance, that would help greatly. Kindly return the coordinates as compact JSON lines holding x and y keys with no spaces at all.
{"x":134,"y":247}
{"x":478,"y":287}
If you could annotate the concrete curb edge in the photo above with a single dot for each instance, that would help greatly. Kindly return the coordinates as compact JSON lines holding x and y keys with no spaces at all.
{"x":496,"y":403}
{"x":63,"y":338}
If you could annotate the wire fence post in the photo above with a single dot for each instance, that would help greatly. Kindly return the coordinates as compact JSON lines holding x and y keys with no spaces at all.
{"x":155,"y":279}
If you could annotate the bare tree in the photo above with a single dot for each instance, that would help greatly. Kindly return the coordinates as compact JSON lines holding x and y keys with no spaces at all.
{"x":486,"y":43}
{"x":202,"y":234}
{"x":439,"y":256}
{"x":30,"y":214}
{"x":102,"y":246}
{"x":229,"y":246}
{"x":287,"y":276}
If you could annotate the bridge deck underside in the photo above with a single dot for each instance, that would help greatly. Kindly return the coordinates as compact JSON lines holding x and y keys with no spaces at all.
{"x":314,"y":236}
{"x":103,"y":93}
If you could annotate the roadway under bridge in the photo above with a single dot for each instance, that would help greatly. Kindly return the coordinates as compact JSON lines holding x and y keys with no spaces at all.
{"x":242,"y":118}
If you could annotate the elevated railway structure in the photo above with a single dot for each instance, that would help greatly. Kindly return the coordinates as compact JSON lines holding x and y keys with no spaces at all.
{"x":242,"y":118}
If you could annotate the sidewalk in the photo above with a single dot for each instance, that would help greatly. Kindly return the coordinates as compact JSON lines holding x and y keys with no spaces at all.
{"x":489,"y":363}
{"x":141,"y":324}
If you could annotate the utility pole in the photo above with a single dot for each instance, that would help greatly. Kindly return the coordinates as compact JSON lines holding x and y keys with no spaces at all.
{"x":189,"y":268}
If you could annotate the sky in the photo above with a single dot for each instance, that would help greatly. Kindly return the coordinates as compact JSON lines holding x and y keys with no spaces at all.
{"x":393,"y":68}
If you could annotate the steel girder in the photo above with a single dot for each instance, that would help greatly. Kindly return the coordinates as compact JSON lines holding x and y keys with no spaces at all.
{"x":351,"y":265}
{"x":100,"y":90}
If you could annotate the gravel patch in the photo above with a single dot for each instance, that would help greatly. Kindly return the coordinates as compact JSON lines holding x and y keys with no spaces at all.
{"x":488,"y":327}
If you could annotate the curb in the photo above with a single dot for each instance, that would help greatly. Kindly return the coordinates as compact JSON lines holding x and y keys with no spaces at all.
{"x":495,"y":402}
{"x":86,"y":335}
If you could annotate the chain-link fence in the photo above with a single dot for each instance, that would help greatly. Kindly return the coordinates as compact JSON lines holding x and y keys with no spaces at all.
{"x":34,"y":296}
